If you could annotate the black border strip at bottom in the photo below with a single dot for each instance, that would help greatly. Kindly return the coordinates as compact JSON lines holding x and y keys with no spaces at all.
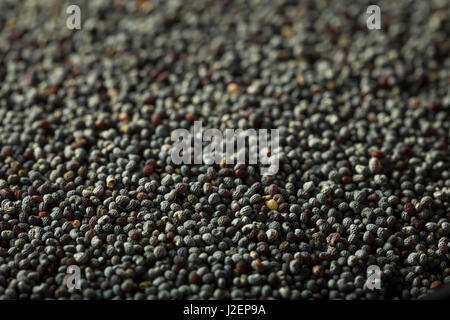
{"x":129,"y":310}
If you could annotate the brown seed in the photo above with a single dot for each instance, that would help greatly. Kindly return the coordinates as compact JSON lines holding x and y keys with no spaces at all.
{"x":82,"y":171}
{"x":141,"y":196}
{"x":134,"y":235}
{"x":44,"y":124}
{"x":191,"y":117}
{"x":69,"y":175}
{"x":272,"y":204}
{"x":15,"y":165}
{"x":409,"y":208}
{"x":242,"y":267}
{"x":145,"y":284}
{"x":283,"y":245}
{"x":156,"y":119}
{"x":435,"y":284}
{"x":414,"y":101}
{"x":100,"y":124}
{"x":124,"y":117}
{"x":76,"y":223}
{"x":148,"y":169}
{"x":7,"y":194}
{"x":333,"y":238}
{"x":257,"y":265}
{"x":318,"y":237}
{"x":377,"y":154}
{"x":37,"y":199}
{"x":240,"y":173}
{"x":347,"y":179}
{"x":17,"y":195}
{"x":101,"y":212}
{"x":383,"y":81}
{"x":317,"y":270}
{"x":52,"y":89}
{"x":273,"y":189}
{"x":44,"y":214}
{"x":233,"y":88}
{"x":194,"y":278}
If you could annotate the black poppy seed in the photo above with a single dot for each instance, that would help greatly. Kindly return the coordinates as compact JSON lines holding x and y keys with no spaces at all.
{"x":96,"y":186}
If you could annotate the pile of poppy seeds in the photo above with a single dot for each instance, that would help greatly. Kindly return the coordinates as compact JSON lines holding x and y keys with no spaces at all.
{"x":86,"y":177}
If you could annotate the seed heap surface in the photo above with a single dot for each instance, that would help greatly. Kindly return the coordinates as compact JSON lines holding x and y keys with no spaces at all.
{"x":86,"y":176}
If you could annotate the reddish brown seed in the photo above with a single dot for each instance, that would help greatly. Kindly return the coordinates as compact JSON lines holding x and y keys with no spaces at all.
{"x":257,"y":265}
{"x":156,"y":119}
{"x":29,"y":155}
{"x":52,"y":89}
{"x":383,"y":81}
{"x":373,"y":197}
{"x":317,"y":296}
{"x":121,"y":221}
{"x":71,"y":261}
{"x":435,"y":284}
{"x":333,"y":238}
{"x":347,"y":179}
{"x":417,"y":224}
{"x":224,"y":172}
{"x":191,"y":117}
{"x":407,"y":152}
{"x":148,"y":169}
{"x":290,"y":237}
{"x":441,"y":144}
{"x":240,"y":173}
{"x":111,"y":239}
{"x":7,"y":194}
{"x":37,"y":199}
{"x":273,"y":189}
{"x":377,"y":154}
{"x":150,"y":100}
{"x":134,"y":235}
{"x":93,"y":221}
{"x":434,"y":106}
{"x":17,"y":195}
{"x":44,"y":124}
{"x":196,"y":217}
{"x":261,"y":236}
{"x":409,"y":208}
{"x":100,"y":124}
{"x":44,"y":214}
{"x":177,"y":117}
{"x":194,"y":278}
{"x":242,"y":267}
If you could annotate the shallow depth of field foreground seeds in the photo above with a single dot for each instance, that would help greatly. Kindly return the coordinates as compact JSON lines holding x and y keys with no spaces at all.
{"x":108,"y":192}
